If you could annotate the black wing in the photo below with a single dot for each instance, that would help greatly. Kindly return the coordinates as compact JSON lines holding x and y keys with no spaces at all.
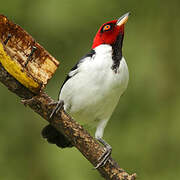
{"x":90,"y":54}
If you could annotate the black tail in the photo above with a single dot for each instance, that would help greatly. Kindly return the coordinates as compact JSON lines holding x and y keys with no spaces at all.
{"x":55,"y":137}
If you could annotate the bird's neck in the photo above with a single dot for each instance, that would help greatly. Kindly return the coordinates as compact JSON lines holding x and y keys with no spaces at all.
{"x":103,"y":49}
{"x":114,"y":50}
{"x":117,"y":52}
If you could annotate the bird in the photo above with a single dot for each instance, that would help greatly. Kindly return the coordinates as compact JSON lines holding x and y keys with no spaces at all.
{"x":93,"y":87}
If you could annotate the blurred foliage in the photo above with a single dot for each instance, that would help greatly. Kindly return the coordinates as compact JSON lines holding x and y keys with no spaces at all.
{"x":144,"y":129}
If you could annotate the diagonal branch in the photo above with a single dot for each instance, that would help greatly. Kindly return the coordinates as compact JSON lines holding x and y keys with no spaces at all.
{"x":29,"y":63}
{"x":80,"y":138}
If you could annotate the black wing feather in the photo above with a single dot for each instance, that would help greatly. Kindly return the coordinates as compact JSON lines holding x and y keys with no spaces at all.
{"x":90,"y":54}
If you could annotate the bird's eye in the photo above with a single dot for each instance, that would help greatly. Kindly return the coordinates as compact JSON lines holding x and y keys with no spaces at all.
{"x":107,"y":27}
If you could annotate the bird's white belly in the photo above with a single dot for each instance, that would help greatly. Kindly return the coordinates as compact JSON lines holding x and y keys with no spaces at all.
{"x":94,"y":108}
{"x":91,"y":95}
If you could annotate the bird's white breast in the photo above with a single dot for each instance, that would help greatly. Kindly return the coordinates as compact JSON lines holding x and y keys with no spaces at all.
{"x":93,"y":92}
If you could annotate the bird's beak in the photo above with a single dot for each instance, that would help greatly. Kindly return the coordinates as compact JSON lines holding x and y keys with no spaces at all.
{"x":123,"y":19}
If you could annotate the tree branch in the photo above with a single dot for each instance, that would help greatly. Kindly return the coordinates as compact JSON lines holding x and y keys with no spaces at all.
{"x":80,"y":138}
{"x":16,"y":54}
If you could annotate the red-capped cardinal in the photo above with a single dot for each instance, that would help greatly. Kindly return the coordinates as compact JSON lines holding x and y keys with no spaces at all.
{"x":93,"y":87}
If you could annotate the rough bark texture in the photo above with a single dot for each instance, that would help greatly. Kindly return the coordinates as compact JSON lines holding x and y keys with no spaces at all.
{"x":80,"y":138}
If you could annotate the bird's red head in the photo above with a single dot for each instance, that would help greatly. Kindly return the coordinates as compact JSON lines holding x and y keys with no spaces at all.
{"x":108,"y":32}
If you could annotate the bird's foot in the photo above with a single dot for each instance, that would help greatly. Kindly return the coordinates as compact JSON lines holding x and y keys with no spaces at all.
{"x":59,"y":105}
{"x":105,"y":156}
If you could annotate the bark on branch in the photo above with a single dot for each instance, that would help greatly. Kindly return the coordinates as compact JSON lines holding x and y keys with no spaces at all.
{"x":80,"y":138}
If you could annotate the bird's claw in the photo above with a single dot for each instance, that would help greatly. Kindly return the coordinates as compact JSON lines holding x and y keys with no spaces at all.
{"x":105,"y":156}
{"x":59,"y":105}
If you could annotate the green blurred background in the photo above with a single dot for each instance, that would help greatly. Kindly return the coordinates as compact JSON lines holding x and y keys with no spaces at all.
{"x":144,"y":129}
